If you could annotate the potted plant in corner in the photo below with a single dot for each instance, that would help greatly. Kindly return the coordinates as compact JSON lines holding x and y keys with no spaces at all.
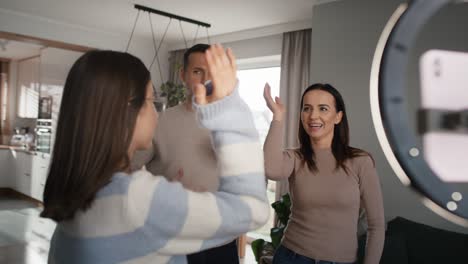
{"x":264,"y":250}
{"x":174,"y":93}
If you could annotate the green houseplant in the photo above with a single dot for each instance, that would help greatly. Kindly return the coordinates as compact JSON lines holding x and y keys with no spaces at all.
{"x":172,"y":92}
{"x":262,"y":248}
{"x":175,"y":93}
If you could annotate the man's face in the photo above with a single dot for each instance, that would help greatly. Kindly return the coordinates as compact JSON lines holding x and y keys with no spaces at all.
{"x":195,"y":72}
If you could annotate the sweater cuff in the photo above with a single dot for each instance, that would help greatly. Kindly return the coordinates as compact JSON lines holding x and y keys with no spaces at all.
{"x":223,"y":106}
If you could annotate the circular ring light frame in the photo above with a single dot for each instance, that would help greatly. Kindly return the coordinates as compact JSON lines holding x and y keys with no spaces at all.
{"x":390,"y":114}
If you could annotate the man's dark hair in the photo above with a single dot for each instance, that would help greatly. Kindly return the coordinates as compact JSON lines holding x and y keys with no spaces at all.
{"x":201,"y":47}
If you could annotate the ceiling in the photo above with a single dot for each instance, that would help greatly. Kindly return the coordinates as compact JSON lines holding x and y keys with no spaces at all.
{"x":118,"y":16}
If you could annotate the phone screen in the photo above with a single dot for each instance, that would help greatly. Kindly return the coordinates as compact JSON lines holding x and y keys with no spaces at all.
{"x":444,"y":86}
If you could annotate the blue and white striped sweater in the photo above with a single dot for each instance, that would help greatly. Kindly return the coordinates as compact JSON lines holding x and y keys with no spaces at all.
{"x":141,"y":218}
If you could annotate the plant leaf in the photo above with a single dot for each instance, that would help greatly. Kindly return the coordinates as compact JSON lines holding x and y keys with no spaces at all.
{"x":257,"y":248}
{"x":276,"y":234}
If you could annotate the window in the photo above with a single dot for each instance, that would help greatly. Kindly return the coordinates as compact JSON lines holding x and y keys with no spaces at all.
{"x":4,"y":126}
{"x":251,"y":84}
{"x":28,"y":87}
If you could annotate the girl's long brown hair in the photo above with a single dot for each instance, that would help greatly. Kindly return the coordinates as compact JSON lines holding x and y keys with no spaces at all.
{"x":103,"y":94}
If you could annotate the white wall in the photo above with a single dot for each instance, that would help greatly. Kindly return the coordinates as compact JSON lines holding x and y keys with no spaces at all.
{"x":29,"y":25}
{"x":257,"y":47}
{"x":24,"y":24}
{"x":344,"y":37}
{"x":262,"y":42}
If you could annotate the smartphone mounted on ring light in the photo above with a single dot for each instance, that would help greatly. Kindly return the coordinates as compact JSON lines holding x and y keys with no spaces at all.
{"x":443,"y":117}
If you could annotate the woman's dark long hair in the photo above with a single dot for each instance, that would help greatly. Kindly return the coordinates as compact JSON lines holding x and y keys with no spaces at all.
{"x":340,"y":143}
{"x":103,"y":94}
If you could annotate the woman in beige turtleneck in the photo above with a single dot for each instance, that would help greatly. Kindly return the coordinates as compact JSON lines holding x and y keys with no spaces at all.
{"x":329,"y":182}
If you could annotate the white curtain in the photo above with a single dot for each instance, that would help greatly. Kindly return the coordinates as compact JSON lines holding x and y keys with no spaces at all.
{"x":295,"y":72}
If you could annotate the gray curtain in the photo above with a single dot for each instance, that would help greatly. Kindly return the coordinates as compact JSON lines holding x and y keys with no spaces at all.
{"x":176,"y":61}
{"x":295,"y":71}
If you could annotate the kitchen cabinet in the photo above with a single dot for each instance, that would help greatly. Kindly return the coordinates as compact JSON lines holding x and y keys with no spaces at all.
{"x":6,"y":169}
{"x":22,"y":172}
{"x":40,"y":169}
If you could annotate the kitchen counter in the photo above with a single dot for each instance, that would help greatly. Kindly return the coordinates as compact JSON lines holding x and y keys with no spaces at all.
{"x":18,"y":148}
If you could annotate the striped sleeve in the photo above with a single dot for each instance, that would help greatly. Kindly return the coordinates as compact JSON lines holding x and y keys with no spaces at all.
{"x":181,"y":221}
